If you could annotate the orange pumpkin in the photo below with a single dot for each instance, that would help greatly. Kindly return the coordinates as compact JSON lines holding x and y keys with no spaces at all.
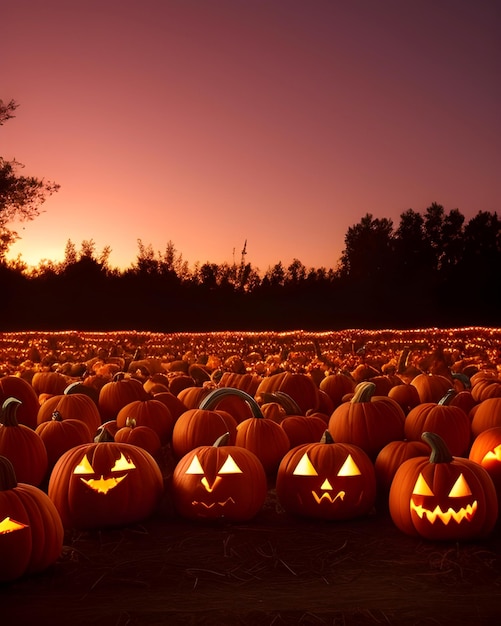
{"x":443,"y":497}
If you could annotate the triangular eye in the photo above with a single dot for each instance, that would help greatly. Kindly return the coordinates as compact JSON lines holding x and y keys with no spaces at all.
{"x":305,"y":467}
{"x":195,"y":467}
{"x":230,"y":467}
{"x":460,"y":488}
{"x":84,"y":467}
{"x":122,"y":464}
{"x":421,"y":488}
{"x":349,"y":468}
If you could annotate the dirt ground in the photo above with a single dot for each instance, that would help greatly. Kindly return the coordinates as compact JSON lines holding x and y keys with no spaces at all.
{"x":275,"y":570}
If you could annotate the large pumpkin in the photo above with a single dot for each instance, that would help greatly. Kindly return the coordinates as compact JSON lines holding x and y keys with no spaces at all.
{"x":367,"y":421}
{"x":219,"y":482}
{"x":118,"y":392}
{"x":443,"y":497}
{"x":31,"y":532}
{"x":326,"y":480}
{"x":59,"y":435}
{"x":104,"y":484}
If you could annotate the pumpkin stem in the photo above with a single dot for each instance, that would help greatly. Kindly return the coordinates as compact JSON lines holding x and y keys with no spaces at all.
{"x":363,"y":392}
{"x":130,"y":422}
{"x":326,"y":437}
{"x":446,"y":400}
{"x":212,"y":399}
{"x":103,"y":435}
{"x":439,"y":451}
{"x":8,"y":478}
{"x":56,"y":416}
{"x":9,"y":411}
{"x":222,"y":440}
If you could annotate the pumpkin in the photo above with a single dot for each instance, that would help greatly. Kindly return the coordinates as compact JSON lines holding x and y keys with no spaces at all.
{"x":31,"y":532}
{"x":391,"y":457}
{"x":486,"y":450}
{"x":367,"y":421}
{"x":172,"y":402}
{"x":485,"y":415}
{"x":326,"y":480}
{"x":105,"y":484}
{"x":59,"y":435}
{"x":15,"y":387}
{"x":221,"y":481}
{"x":143,"y":436}
{"x":303,"y":429}
{"x":22,"y":446}
{"x":71,"y":405}
{"x":118,"y":392}
{"x":300,"y":387}
{"x":442,"y":418}
{"x":443,"y":497}
{"x":336,"y":386}
{"x":52,"y":383}
{"x":201,"y":427}
{"x":260,"y":435}
{"x":406,"y":395}
{"x":431,"y":387}
{"x":150,"y":412}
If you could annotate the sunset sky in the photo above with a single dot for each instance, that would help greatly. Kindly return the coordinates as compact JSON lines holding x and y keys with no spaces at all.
{"x":279,"y":122}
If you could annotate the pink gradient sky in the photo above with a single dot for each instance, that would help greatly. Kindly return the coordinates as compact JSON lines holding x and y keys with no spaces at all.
{"x":279,"y":122}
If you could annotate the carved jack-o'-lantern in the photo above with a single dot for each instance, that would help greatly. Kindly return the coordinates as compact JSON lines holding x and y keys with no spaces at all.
{"x":219,"y":482}
{"x":326,"y":480}
{"x":31,"y":532}
{"x":443,"y":497}
{"x":486,"y":450}
{"x":105,"y":484}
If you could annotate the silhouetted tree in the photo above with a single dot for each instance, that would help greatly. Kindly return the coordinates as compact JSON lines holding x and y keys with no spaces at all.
{"x":20,"y":196}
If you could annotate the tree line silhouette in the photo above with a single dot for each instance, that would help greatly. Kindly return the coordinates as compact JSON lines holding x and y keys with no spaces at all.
{"x":434,"y":269}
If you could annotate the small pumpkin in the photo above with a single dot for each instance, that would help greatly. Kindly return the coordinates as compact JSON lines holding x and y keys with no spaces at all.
{"x":443,"y":497}
{"x":221,"y":481}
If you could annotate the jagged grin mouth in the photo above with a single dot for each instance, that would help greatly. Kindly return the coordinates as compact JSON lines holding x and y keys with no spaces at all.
{"x":445,"y":516}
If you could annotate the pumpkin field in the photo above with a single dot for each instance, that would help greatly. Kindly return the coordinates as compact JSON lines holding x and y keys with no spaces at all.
{"x":251,"y":478}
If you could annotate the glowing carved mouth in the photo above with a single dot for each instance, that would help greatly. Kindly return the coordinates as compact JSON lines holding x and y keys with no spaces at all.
{"x":445,"y":516}
{"x":9,"y":525}
{"x":213,"y":504}
{"x":327,"y":496}
{"x":103,"y":485}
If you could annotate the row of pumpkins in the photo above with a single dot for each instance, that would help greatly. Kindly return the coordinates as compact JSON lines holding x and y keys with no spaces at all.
{"x":81,"y":456}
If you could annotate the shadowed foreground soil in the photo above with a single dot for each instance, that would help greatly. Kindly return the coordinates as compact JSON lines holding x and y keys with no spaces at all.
{"x":276,"y":570}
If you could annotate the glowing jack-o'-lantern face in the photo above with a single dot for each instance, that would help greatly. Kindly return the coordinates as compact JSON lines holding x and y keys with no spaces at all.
{"x":326,"y":480}
{"x":102,"y":484}
{"x":9,"y":525}
{"x":459,"y":503}
{"x":486,"y":450}
{"x":443,"y":497}
{"x":326,"y":490}
{"x":105,"y":484}
{"x":215,"y":482}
